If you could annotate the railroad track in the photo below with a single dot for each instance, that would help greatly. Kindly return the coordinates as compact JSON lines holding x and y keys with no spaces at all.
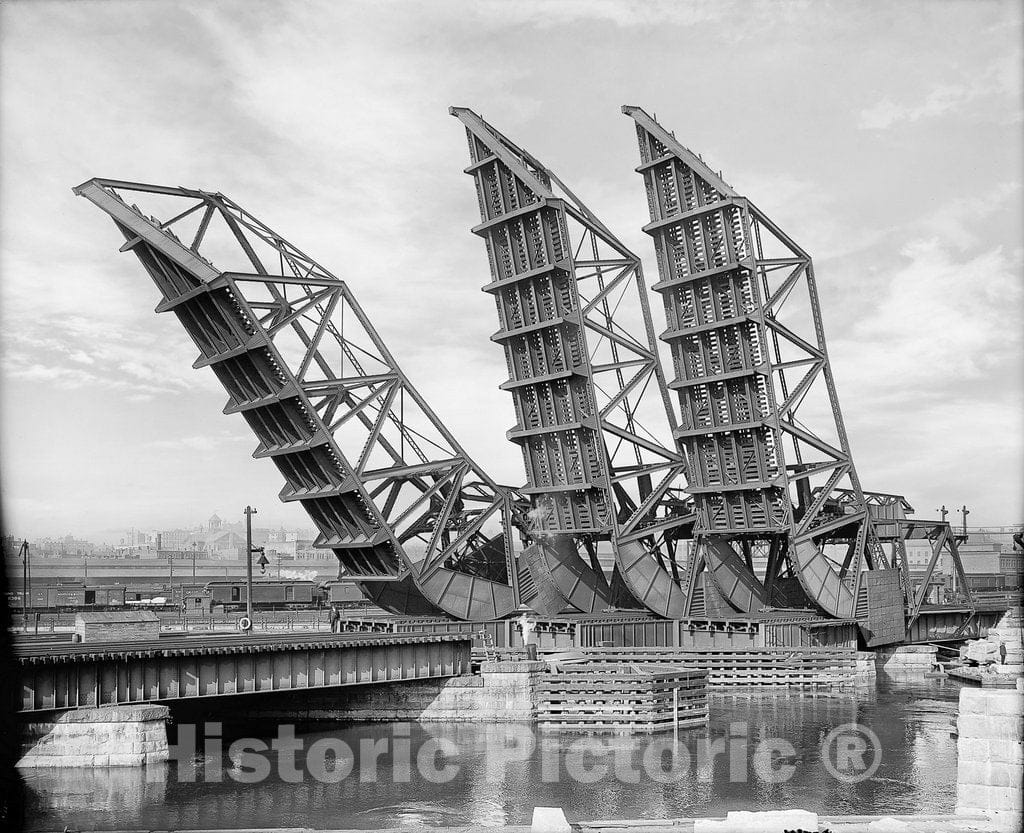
{"x":33,"y":652}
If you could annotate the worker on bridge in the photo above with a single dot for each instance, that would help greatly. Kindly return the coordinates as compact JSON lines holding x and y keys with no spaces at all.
{"x":335,"y":619}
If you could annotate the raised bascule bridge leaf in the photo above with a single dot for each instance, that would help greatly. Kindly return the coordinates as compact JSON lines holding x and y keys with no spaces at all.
{"x":769,"y":459}
{"x":408,"y":514}
{"x":594,"y":417}
{"x":728,"y":490}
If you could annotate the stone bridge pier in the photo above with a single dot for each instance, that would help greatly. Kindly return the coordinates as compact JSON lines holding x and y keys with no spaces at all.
{"x":98,"y":737}
{"x":990,"y":755}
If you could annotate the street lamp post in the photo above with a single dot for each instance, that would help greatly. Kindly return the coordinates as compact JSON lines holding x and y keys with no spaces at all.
{"x":249,"y":512}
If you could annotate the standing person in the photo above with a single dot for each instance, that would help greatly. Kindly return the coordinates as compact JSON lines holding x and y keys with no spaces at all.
{"x":335,"y":619}
{"x":527,"y":626}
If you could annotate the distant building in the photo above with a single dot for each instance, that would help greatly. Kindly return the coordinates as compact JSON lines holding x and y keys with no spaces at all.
{"x":174,"y":539}
{"x":1011,"y":565}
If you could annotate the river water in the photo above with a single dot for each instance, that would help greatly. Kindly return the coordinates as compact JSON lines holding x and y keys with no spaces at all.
{"x":782,"y":750}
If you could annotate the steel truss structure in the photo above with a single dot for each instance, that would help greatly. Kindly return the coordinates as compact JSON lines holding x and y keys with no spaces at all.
{"x":747,"y":499}
{"x":588,"y":389}
{"x":769,"y":459}
{"x":894,"y":529}
{"x":395,"y":497}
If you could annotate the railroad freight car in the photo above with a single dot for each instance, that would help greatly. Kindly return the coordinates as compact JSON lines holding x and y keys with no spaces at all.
{"x":59,"y":598}
{"x":266,"y":594}
{"x":343,"y":594}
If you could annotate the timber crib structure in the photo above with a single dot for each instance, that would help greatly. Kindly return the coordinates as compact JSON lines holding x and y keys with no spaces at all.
{"x":699,"y":495}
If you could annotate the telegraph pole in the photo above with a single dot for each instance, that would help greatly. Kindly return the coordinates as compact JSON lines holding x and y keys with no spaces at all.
{"x":170,"y":562}
{"x":964,"y":511}
{"x":942,"y":513}
{"x":26,"y":583}
{"x":249,"y":512}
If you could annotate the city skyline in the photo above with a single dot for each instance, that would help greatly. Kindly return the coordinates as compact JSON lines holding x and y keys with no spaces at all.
{"x":127,"y":536}
{"x":906,"y":191}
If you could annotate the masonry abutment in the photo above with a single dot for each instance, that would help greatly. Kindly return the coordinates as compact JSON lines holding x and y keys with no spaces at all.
{"x":112,"y":736}
{"x":990,"y":755}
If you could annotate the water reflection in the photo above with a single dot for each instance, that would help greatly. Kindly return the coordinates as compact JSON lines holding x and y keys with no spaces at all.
{"x":502,"y":771}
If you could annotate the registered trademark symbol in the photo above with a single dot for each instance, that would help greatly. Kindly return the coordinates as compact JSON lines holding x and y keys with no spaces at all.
{"x":851,"y":753}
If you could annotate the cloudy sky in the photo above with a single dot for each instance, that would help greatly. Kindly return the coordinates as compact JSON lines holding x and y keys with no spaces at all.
{"x":884,"y":137}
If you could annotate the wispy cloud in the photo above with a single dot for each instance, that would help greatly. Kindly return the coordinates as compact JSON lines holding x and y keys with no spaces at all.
{"x":962,"y":222}
{"x":1000,"y":79}
{"x":201,"y":442}
{"x":933,"y":326}
{"x":929,"y":379}
{"x":75,"y":353}
{"x":328,"y":120}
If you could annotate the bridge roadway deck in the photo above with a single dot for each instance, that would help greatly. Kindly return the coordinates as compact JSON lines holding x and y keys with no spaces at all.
{"x":90,"y":674}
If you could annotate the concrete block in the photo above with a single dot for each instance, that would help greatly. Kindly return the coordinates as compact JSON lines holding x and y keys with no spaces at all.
{"x":887,"y":824}
{"x":1001,"y":752}
{"x":126,"y":759}
{"x":1006,"y":821}
{"x":973,"y":749}
{"x":1007,"y":727}
{"x":1006,"y":798}
{"x":1004,"y":702}
{"x":972,"y":726}
{"x":970,"y":797}
{"x":973,"y":701}
{"x":988,"y":798}
{"x":767,"y":821}
{"x":992,"y":727}
{"x":1004,"y":775}
{"x":549,"y":820}
{"x":525,"y":667}
{"x":972,"y":772}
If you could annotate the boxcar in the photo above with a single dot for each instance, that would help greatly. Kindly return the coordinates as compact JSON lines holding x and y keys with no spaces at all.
{"x":68,"y":597}
{"x":192,"y":598}
{"x":266,"y":594}
{"x":344,"y":593}
{"x":109,"y":596}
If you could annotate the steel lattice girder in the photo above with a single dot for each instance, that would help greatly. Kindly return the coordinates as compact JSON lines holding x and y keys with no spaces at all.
{"x":109,"y":674}
{"x":585,"y":376}
{"x":405,"y":510}
{"x":729,"y":277}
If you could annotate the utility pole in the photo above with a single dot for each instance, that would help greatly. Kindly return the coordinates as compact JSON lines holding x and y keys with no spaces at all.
{"x":170,"y":561}
{"x":964,"y":511}
{"x":193,"y":562}
{"x":943,"y":512}
{"x":26,"y":583}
